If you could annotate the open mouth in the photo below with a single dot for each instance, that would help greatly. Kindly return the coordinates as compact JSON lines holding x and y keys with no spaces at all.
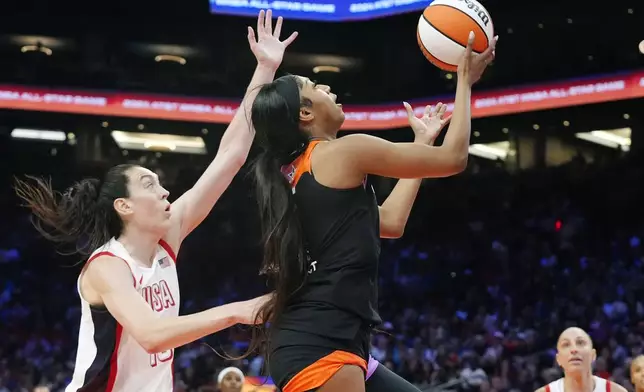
{"x":167,"y":209}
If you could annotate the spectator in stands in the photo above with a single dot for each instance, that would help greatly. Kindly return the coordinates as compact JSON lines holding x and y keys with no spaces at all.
{"x":637,"y":373}
{"x":231,"y":379}
{"x":490,"y":290}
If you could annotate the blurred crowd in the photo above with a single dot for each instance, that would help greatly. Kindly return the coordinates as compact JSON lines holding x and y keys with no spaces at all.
{"x":492,"y":267}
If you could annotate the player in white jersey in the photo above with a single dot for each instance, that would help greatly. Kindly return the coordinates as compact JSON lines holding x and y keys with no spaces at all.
{"x":637,"y":373}
{"x":575,"y":355}
{"x":128,"y":287}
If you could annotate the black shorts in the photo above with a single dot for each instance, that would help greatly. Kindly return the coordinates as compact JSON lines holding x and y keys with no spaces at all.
{"x":301,"y":361}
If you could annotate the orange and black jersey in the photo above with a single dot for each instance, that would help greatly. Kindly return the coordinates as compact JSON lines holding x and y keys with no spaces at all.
{"x":342,"y":236}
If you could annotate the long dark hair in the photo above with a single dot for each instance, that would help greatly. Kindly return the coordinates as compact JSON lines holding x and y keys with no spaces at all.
{"x":83,"y":217}
{"x":275,"y":115}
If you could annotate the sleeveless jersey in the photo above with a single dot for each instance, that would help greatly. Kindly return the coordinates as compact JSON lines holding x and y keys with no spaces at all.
{"x":601,"y":385}
{"x":108,"y":358}
{"x":342,"y":237}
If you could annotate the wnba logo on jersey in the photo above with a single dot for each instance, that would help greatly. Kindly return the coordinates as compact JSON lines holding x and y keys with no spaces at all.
{"x":289,"y":172}
{"x":158,"y":296}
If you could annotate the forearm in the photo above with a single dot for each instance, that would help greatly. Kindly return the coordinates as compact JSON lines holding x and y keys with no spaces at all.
{"x":240,"y":130}
{"x":401,"y":199}
{"x":169,"y":333}
{"x":395,"y":211}
{"x":195,"y":205}
{"x":457,"y":138}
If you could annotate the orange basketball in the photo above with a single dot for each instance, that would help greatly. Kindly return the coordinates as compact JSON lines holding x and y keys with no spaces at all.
{"x":444,"y":27}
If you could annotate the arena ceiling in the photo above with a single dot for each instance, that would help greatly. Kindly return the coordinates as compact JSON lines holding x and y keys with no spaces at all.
{"x":113,"y":46}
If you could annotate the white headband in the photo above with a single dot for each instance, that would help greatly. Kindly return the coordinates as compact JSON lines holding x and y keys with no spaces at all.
{"x":233,"y":369}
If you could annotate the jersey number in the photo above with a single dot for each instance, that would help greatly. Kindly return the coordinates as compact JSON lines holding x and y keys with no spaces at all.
{"x":163,"y":356}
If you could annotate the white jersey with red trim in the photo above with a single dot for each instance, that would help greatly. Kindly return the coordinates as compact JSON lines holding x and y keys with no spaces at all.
{"x":601,"y":385}
{"x":108,"y":358}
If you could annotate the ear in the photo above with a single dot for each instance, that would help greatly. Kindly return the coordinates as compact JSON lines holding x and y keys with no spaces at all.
{"x":122,"y":207}
{"x":306,"y":114}
{"x":557,"y":359}
{"x":594,"y":355}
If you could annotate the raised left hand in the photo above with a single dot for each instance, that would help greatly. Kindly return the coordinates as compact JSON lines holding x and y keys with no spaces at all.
{"x":427,"y":128}
{"x":267,"y":47}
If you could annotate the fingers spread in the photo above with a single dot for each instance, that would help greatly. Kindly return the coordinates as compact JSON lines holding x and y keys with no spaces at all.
{"x":278,"y":27}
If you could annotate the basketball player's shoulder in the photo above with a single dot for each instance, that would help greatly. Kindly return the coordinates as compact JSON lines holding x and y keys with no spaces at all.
{"x":357,"y":145}
{"x":355,"y":138}
{"x":103,"y":267}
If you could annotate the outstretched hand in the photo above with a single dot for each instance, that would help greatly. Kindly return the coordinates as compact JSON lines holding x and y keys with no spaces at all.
{"x":473,"y":65}
{"x":246,"y":312}
{"x":266,"y":46}
{"x":427,"y":128}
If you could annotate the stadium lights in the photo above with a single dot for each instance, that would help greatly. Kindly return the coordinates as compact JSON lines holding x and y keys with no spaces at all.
{"x":159,"y":142}
{"x":326,"y":68}
{"x":614,"y":138}
{"x":39,"y":134}
{"x":170,"y":57}
{"x":36,"y":48}
{"x":492,"y":151}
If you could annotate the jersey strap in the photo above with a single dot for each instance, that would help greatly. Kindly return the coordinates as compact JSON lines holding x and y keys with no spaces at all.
{"x":293,"y":171}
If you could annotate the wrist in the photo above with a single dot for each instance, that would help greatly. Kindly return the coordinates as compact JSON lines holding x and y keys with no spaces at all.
{"x":231,"y":313}
{"x":264,"y":67}
{"x":419,"y":140}
{"x":263,"y":74}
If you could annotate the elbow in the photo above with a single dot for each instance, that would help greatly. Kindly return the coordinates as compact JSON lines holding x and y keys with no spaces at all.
{"x":397,"y":229}
{"x":152,"y":348}
{"x":458,"y":163}
{"x":394,"y":230}
{"x":396,"y":233}
{"x":151,"y":345}
{"x":152,"y":340}
{"x":452,"y":161}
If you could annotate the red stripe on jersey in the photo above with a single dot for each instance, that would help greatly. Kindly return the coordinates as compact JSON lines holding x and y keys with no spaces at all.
{"x":169,"y":250}
{"x":114,"y":360}
{"x":548,"y":388}
{"x":608,"y":385}
{"x":99,"y":254}
{"x":172,"y":371}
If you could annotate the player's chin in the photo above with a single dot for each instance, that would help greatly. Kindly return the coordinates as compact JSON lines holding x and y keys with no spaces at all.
{"x":340,"y":116}
{"x":574,"y":367}
{"x":165,"y":222}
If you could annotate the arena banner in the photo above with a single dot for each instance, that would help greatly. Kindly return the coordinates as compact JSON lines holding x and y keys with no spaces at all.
{"x":319,"y":10}
{"x":358,"y":117}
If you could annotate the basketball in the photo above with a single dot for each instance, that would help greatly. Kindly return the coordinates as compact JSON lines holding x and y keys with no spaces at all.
{"x":444,"y":27}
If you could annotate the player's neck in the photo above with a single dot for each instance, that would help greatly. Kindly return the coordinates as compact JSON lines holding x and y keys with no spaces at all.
{"x":579,"y":383}
{"x":322,"y":134}
{"x":141,"y":246}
